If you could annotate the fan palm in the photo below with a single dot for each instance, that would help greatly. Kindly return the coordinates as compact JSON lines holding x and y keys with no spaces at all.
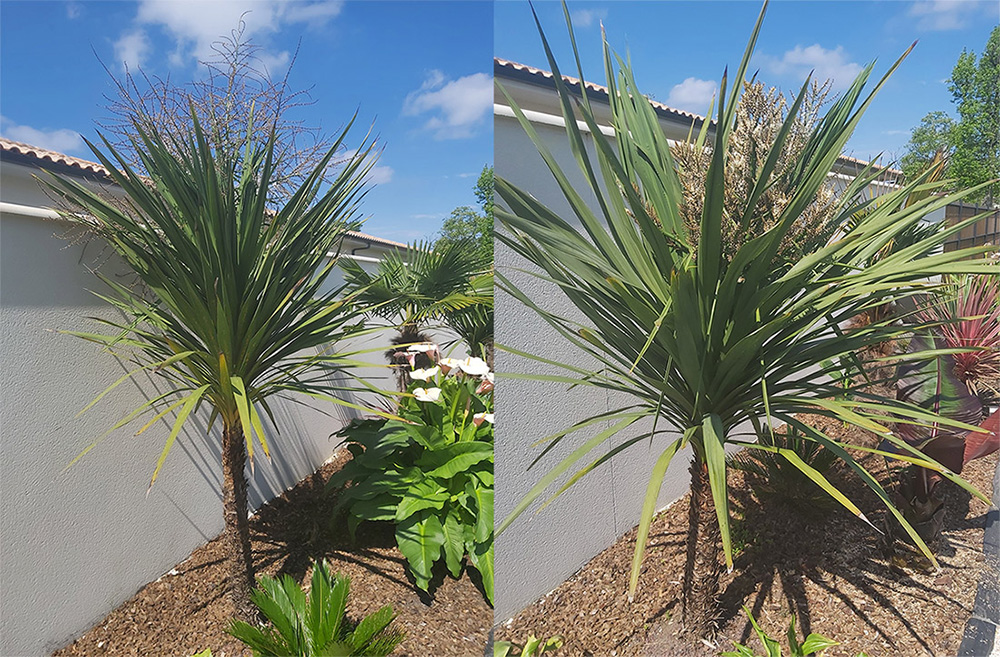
{"x":704,"y":343}
{"x":448,"y":281}
{"x":230,"y":310}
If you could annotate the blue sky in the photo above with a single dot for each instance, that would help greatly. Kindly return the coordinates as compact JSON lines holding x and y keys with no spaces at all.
{"x":420,"y":70}
{"x":680,"y":49}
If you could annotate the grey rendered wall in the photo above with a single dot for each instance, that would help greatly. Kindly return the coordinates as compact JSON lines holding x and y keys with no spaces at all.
{"x":75,"y":544}
{"x":539,"y":551}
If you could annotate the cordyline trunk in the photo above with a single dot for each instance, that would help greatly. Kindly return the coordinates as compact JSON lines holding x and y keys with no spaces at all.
{"x":236,"y":535}
{"x":702,"y":570}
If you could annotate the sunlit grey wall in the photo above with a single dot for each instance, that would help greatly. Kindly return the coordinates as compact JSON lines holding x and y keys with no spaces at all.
{"x":76,"y":544}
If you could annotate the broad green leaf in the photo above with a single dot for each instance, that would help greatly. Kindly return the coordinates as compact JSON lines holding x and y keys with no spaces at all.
{"x":420,"y":538}
{"x":482,"y":558}
{"x":454,"y":543}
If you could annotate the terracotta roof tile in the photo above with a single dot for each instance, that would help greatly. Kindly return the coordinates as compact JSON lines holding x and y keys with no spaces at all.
{"x":42,"y":158}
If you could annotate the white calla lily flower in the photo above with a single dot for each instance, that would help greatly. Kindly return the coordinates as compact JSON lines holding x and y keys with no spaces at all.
{"x":425,"y":375}
{"x":475,"y":366}
{"x":479,"y":418}
{"x":449,"y":364}
{"x":428,"y":395}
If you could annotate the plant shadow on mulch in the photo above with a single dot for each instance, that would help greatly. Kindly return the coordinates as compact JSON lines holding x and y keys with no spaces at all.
{"x":184,"y":613}
{"x":824,"y":565}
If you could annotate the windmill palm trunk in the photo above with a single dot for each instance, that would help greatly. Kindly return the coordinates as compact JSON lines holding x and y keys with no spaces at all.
{"x":409,"y":333}
{"x":702,"y":570}
{"x":236,"y":535}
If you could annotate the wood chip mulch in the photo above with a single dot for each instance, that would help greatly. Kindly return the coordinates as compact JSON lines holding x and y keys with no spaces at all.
{"x":827,"y":567}
{"x":180,"y":615}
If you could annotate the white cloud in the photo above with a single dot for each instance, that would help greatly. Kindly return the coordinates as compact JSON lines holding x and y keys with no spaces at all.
{"x":194,"y":25}
{"x":587,"y":17}
{"x":693,"y":95}
{"x":379,"y":175}
{"x":60,"y":140}
{"x":274,"y":63}
{"x":455,"y":107}
{"x":825,"y":64}
{"x":941,"y":15}
{"x":132,"y":48}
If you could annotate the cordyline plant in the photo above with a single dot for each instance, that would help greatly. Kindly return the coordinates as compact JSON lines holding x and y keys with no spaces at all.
{"x":231,"y":309}
{"x":705,"y":344}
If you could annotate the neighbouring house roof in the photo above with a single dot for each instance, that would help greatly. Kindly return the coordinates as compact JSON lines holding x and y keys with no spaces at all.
{"x":34,"y":156}
{"x":503,"y":68}
{"x":28,"y":155}
{"x":514,"y":71}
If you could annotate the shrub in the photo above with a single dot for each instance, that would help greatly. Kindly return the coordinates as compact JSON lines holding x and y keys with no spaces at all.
{"x":533,"y":647}
{"x":431,"y":473}
{"x":771,"y":475}
{"x":814,"y":643}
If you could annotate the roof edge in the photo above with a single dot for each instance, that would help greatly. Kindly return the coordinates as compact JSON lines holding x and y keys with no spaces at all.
{"x":25,"y":154}
{"x":512,"y":70}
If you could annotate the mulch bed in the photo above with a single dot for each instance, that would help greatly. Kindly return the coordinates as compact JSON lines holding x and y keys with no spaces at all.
{"x":826,"y":566}
{"x":185,"y":613}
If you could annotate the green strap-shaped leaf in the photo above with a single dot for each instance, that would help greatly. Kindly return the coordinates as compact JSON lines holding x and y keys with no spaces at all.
{"x":648,"y":509}
{"x":163,"y":363}
{"x":553,"y":474}
{"x":243,"y":408}
{"x":189,"y":405}
{"x":714,"y":437}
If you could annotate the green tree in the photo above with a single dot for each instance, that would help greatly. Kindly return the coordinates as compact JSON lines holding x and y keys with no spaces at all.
{"x":449,"y":282}
{"x":703,"y":344}
{"x":466,"y":224}
{"x":933,"y":137}
{"x":231,"y":311}
{"x":975,"y":88}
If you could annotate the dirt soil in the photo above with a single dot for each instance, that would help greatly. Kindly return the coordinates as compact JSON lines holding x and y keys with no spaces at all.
{"x":824,"y":565}
{"x":184,"y":613}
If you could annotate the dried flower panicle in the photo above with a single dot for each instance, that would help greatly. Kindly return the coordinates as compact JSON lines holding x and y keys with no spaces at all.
{"x":759,"y":117}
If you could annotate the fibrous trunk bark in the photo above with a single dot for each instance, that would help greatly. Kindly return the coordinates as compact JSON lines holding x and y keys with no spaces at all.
{"x":401,"y":360}
{"x":236,"y":536}
{"x":702,"y":571}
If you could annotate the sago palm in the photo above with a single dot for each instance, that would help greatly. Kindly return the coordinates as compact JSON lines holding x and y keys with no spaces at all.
{"x":313,"y":624}
{"x":704,"y":343}
{"x":230,"y":307}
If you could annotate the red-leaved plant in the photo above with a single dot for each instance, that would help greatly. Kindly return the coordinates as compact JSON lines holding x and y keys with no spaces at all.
{"x":970,"y":318}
